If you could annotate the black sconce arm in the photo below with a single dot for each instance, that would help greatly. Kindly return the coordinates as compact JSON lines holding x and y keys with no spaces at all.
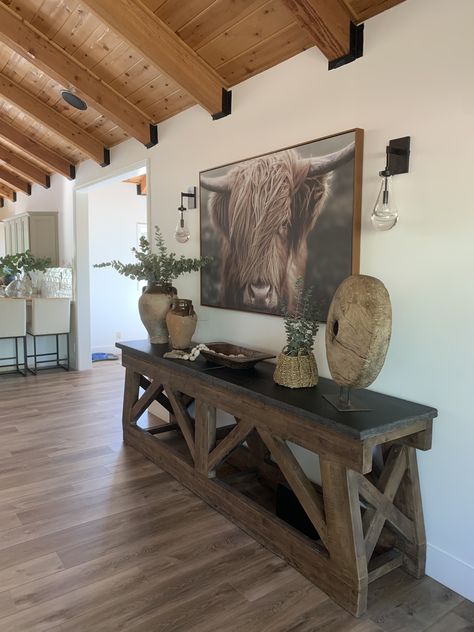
{"x":191,"y":195}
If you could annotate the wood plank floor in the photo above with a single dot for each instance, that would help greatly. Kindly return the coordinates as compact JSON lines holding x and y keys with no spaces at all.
{"x":95,"y":538}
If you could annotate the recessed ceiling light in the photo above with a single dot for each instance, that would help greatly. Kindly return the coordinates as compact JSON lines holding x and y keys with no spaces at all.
{"x":74,"y":100}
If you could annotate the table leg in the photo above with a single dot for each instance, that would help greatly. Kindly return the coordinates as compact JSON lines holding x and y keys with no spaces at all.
{"x":345,"y":539}
{"x":130,"y":396}
{"x":205,"y":431}
{"x":408,"y":500}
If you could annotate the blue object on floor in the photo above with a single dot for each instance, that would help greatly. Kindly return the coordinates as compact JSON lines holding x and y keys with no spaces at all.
{"x":97,"y":357}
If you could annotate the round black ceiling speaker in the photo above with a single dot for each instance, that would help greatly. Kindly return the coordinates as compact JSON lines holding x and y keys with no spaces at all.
{"x":73,"y":100}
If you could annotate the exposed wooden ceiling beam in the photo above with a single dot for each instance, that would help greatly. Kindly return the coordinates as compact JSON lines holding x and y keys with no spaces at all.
{"x":49,"y":158}
{"x":160,"y":45}
{"x":6,"y":192}
{"x":140,"y":182}
{"x":21,"y":37}
{"x":365,"y":10}
{"x":14,"y":181}
{"x":25,"y":168}
{"x":328,"y":23}
{"x":54,"y":121}
{"x":353,"y":13}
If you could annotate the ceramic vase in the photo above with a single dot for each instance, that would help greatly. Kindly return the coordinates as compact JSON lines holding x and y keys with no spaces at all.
{"x":153,"y":305}
{"x":181,"y":321}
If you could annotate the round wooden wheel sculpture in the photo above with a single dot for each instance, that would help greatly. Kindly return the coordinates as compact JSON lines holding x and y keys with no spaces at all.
{"x":358,"y":331}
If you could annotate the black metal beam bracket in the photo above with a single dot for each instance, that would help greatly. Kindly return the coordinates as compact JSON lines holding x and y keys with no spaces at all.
{"x":356,"y":48}
{"x":226,"y":105}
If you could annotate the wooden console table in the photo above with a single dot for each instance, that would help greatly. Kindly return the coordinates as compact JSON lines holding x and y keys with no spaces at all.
{"x":367,"y":512}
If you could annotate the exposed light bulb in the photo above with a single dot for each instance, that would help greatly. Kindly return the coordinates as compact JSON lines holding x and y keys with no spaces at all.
{"x":181,"y":234}
{"x":385,"y":214}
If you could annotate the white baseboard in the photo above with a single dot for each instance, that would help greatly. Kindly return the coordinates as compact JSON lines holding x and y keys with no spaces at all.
{"x":450,"y":571}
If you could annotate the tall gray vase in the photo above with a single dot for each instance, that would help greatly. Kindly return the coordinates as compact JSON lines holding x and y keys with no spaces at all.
{"x":153,"y":305}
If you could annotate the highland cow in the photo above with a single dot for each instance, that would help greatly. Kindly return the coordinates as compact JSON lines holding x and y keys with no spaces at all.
{"x":263,"y":211}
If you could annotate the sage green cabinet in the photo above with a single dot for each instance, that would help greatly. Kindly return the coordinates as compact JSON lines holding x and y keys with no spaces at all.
{"x":36,"y":231}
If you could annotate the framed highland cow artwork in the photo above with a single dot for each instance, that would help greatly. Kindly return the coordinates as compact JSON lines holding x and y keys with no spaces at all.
{"x":269,"y":220}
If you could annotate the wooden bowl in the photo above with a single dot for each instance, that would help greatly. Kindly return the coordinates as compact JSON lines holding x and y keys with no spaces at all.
{"x":230,"y":355}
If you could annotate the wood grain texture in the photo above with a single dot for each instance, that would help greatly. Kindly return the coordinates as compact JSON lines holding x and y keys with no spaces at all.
{"x":301,"y":485}
{"x":107,"y":541}
{"x":23,"y":167}
{"x":233,"y":39}
{"x":308,"y":557}
{"x":28,"y":42}
{"x":337,"y":562}
{"x":51,"y":119}
{"x":205,"y":438}
{"x":388,"y":484}
{"x":7,"y":192}
{"x":235,"y":437}
{"x":358,"y":330}
{"x":14,"y":181}
{"x":364,"y":9}
{"x":182,"y":418}
{"x":328,"y":24}
{"x":138,"y":26}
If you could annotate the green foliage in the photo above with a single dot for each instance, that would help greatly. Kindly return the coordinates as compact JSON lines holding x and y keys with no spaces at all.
{"x":301,"y":325}
{"x":161,"y":268}
{"x":9,"y":265}
{"x":22,"y":263}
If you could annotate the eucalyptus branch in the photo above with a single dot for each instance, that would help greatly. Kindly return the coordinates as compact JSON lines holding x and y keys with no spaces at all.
{"x":161,"y":268}
{"x":301,"y":325}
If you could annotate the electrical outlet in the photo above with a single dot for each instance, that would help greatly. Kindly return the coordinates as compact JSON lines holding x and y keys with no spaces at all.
{"x":118,"y":335}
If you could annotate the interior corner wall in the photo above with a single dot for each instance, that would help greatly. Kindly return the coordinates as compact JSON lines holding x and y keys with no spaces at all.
{"x":57,"y":198}
{"x":114,"y":211}
{"x":415,"y":78}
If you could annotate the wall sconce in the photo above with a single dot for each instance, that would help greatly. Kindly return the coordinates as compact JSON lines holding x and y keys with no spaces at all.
{"x":182,"y":233}
{"x":385,"y":213}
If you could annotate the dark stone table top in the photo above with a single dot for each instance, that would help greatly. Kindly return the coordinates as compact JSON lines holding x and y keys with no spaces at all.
{"x":385,"y":412}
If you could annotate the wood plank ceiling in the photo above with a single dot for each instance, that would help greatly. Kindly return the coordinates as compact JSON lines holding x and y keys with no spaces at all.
{"x":137,"y":63}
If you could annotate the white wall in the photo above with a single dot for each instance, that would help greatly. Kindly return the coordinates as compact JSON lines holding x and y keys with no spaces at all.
{"x":57,"y":198}
{"x":414,"y":79}
{"x":2,"y":240}
{"x":114,"y":211}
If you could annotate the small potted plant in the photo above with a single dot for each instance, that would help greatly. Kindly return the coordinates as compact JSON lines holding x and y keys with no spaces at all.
{"x":9,"y":269}
{"x":17,"y":268}
{"x":159,"y":270}
{"x":296,"y":364}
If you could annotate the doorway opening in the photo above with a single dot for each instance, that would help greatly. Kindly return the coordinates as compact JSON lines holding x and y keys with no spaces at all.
{"x":111,"y":214}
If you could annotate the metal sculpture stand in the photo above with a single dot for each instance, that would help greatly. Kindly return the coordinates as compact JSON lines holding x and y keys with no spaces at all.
{"x":345,"y":401}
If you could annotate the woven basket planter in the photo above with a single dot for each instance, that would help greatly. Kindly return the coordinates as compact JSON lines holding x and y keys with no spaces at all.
{"x":296,"y":371}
